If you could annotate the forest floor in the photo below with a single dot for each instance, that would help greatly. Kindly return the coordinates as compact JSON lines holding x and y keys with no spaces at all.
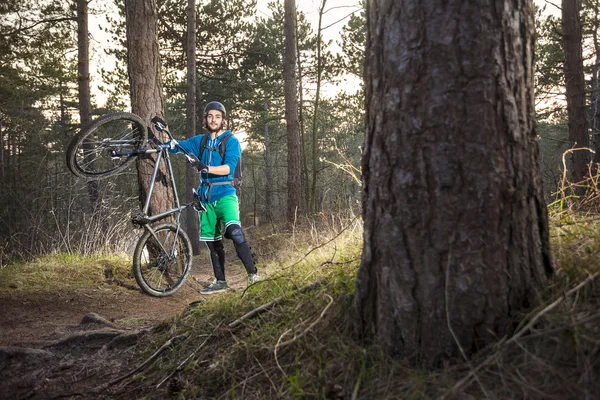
{"x":44,"y":334}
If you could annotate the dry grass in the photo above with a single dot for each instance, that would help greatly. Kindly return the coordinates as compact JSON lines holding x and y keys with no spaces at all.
{"x":303,"y":347}
{"x":63,"y":271}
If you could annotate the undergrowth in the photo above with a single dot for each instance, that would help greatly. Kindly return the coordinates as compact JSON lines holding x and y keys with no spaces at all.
{"x":289,"y":336}
{"x":302,"y":346}
{"x":63,"y":271}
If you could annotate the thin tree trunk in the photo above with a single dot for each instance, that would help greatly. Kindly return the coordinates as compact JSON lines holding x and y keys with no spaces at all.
{"x":1,"y":150}
{"x":191,"y":178}
{"x":146,"y":92}
{"x":596,"y":93}
{"x":575,"y":86}
{"x":312,"y":204}
{"x":83,"y":63}
{"x":304,"y":152}
{"x":455,"y":223}
{"x":199,"y":107}
{"x":85,"y":98}
{"x":268,"y":177}
{"x":291,"y":112}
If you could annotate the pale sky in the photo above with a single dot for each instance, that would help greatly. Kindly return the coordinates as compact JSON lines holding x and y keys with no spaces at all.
{"x":552,"y":7}
{"x":335,"y":11}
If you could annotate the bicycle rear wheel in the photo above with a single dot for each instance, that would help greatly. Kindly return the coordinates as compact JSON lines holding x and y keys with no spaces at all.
{"x":162,"y":260}
{"x":107,"y":145}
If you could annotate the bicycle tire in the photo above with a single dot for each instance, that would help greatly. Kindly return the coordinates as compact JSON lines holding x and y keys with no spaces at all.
{"x":158,"y":273}
{"x":107,"y":145}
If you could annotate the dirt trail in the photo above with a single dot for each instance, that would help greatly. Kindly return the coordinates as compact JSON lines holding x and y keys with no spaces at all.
{"x":33,"y":321}
{"x":47,"y":341}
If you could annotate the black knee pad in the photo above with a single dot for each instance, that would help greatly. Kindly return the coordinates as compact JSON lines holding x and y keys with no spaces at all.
{"x":235,"y":233}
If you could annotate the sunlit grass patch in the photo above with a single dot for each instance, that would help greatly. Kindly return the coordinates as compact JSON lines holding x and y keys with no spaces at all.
{"x":61,"y":271}
{"x":575,"y":243}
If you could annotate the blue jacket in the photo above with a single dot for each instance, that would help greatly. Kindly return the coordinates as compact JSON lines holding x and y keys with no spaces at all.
{"x":212,"y":157}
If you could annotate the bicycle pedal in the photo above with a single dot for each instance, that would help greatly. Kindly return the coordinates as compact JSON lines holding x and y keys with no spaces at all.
{"x":139,"y":218}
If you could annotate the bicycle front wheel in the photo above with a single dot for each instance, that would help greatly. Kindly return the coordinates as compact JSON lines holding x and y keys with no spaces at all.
{"x":107,"y":145}
{"x":162,"y":260}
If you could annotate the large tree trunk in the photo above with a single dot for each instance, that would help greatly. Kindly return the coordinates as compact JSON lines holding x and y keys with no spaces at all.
{"x":291,"y":111}
{"x":191,"y":178}
{"x":575,"y":86}
{"x":146,"y":91}
{"x":455,"y":223}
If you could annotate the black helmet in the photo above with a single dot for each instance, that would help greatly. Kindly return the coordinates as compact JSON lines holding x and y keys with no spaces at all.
{"x":215,"y":105}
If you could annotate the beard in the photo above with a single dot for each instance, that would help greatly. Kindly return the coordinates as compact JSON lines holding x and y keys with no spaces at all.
{"x":214,"y":130}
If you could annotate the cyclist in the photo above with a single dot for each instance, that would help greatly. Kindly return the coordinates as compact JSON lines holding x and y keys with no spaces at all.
{"x":218,"y":195}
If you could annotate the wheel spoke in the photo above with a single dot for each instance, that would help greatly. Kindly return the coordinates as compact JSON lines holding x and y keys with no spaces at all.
{"x":165,"y":260}
{"x":106,"y":145}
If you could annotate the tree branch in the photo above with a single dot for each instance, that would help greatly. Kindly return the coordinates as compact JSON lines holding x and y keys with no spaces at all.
{"x":44,"y":21}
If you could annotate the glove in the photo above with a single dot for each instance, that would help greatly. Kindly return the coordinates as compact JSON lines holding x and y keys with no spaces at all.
{"x":171,"y":143}
{"x":200,"y":166}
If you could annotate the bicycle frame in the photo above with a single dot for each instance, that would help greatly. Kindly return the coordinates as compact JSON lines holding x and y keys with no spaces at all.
{"x":144,"y":219}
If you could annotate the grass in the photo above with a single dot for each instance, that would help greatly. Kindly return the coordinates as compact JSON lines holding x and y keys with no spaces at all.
{"x":302,"y":346}
{"x":62,"y":271}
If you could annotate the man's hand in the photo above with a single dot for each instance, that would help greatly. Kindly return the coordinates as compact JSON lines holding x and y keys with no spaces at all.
{"x":171,"y":143}
{"x":200,"y":166}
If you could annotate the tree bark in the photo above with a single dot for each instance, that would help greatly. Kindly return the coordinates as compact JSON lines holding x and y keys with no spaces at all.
{"x":1,"y":150}
{"x":83,"y":63}
{"x":312,"y":197}
{"x":146,"y":92}
{"x":291,"y":111}
{"x":455,"y":223}
{"x":595,"y":112}
{"x":575,"y":87}
{"x":303,"y":151}
{"x":191,"y":178}
{"x":85,"y":97}
{"x":268,"y":176}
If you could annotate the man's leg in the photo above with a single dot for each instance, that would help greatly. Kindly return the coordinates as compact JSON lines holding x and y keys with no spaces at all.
{"x":217,"y":258}
{"x":242,"y":248}
{"x":227,"y":209}
{"x":210,"y":233}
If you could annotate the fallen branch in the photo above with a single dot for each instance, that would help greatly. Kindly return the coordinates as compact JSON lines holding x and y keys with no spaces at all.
{"x":267,"y":306}
{"x":328,"y":262}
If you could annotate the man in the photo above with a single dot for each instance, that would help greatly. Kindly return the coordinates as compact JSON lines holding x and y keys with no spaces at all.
{"x":218,"y":195}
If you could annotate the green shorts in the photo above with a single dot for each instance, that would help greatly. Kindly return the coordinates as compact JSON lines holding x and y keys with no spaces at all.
{"x":218,"y":216}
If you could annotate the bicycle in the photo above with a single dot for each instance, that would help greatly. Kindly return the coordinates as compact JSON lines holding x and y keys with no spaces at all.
{"x":163,"y":254}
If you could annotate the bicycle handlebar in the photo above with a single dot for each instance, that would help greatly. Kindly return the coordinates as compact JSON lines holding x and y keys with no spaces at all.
{"x":161,"y":126}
